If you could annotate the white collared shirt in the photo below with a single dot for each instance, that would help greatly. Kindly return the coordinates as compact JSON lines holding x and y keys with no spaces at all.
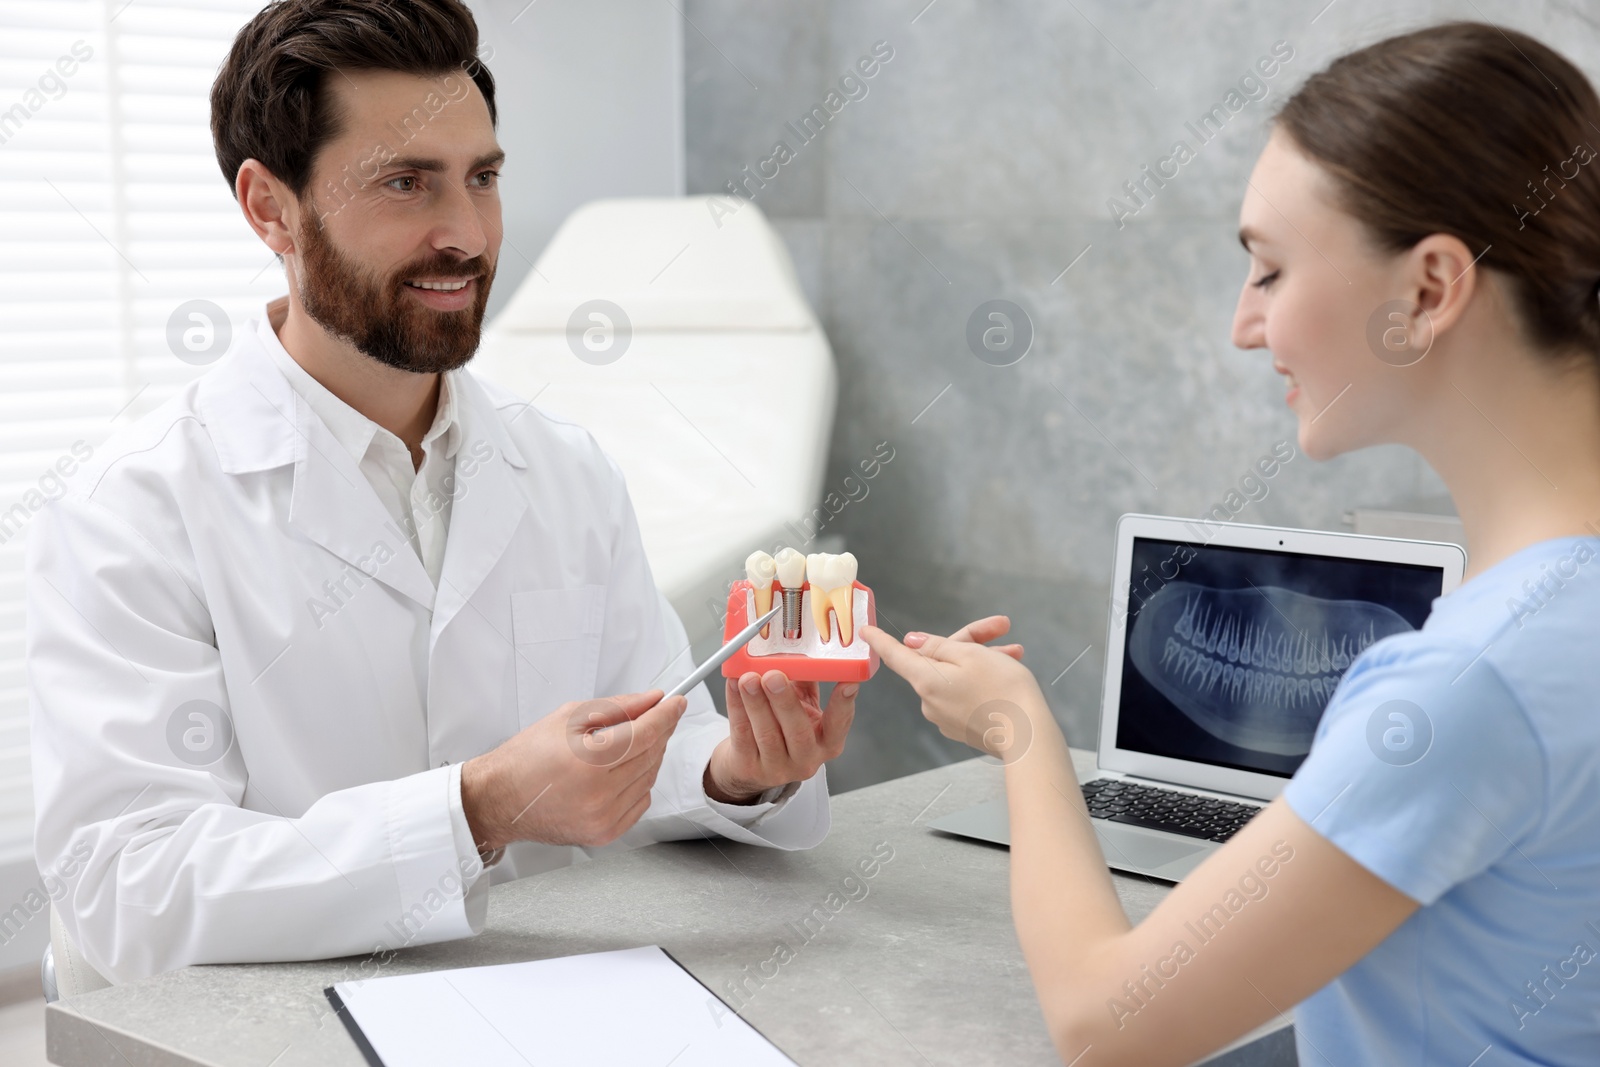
{"x":249,"y":703}
{"x":417,"y":498}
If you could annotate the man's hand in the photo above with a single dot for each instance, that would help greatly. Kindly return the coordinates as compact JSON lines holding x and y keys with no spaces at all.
{"x":777,"y":734}
{"x":579,"y":776}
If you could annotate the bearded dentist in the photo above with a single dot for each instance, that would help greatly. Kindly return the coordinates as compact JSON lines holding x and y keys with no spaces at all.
{"x":341,"y":634}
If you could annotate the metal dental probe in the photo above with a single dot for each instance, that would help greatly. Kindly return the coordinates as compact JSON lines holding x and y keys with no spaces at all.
{"x":740,"y":639}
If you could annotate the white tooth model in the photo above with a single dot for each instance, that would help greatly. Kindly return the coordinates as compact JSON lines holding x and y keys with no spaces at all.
{"x":819,"y":593}
{"x":803,"y":647}
{"x":832,"y":581}
{"x":791,"y":568}
{"x":761,"y":569}
{"x":839,"y":579}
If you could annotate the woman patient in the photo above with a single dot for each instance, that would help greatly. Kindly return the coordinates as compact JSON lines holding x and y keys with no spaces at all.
{"x":1424,"y":238}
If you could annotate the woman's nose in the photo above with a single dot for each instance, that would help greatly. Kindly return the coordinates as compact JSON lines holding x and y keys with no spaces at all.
{"x":1249,"y":321}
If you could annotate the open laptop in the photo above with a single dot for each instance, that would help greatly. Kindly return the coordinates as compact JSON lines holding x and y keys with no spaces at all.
{"x":1225,"y":642}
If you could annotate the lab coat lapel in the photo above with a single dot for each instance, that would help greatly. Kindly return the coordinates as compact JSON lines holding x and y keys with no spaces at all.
{"x":334,"y":505}
{"x":257,"y":422}
{"x":489,"y":502}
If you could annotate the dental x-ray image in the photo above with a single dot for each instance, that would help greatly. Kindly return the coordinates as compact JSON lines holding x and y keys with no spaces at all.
{"x":1253,"y":666}
{"x":1233,"y":659}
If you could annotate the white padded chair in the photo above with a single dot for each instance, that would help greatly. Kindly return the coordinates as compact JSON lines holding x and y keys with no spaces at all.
{"x":64,"y":972}
{"x":720,"y":409}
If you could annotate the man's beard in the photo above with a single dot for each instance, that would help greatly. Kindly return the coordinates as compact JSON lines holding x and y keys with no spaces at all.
{"x":377,"y":317}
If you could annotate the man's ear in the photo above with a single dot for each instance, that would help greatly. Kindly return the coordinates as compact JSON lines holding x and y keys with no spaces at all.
{"x":1442,"y":280}
{"x":268,"y":205}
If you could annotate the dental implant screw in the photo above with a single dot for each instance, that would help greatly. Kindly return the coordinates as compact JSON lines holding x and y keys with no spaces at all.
{"x":791,"y":613}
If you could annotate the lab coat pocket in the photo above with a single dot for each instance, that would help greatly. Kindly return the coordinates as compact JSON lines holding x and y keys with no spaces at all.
{"x":557,"y":637}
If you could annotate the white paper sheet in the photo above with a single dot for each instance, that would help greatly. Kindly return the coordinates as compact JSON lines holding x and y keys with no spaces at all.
{"x":632,"y":1006}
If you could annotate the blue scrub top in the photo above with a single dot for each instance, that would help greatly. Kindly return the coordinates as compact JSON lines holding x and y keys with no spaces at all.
{"x":1461,"y":764}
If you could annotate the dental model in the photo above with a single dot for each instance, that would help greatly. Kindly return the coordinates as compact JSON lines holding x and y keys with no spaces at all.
{"x":834,"y":578}
{"x":806,"y":647}
{"x":791,"y":568}
{"x":819,"y":593}
{"x":840,"y":573}
{"x":760,"y":569}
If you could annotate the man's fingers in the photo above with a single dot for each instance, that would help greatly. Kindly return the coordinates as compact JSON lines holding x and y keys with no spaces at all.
{"x":840,"y":713}
{"x":641,"y":737}
{"x":799,"y":735}
{"x":810,"y":697}
{"x":738,"y":718}
{"x":908,"y":663}
{"x":764,"y":728}
{"x":656,"y":724}
{"x":624,"y":809}
{"x":608,"y":711}
{"x":637,"y":772}
{"x":634,"y":813}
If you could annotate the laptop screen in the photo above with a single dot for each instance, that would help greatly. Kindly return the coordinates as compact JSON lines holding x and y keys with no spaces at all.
{"x":1231,"y":654}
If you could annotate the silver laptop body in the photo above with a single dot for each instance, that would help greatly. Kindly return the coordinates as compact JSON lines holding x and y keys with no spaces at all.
{"x":1224,"y":643}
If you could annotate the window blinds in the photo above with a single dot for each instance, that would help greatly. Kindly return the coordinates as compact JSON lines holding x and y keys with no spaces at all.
{"x":116,"y":231}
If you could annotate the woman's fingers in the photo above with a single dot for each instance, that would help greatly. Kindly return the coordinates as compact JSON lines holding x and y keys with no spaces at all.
{"x":948,"y":649}
{"x":982,"y":631}
{"x":978,"y":632}
{"x":908,"y":663}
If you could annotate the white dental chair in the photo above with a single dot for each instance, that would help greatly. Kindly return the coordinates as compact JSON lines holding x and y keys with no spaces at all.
{"x":720,"y":408}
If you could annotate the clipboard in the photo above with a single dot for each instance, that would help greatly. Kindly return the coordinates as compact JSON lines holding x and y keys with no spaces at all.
{"x":552,"y":1011}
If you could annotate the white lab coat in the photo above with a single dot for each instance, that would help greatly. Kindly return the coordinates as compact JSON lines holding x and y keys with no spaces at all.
{"x":225,"y":550}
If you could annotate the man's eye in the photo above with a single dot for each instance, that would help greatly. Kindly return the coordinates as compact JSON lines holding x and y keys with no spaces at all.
{"x":411,"y":185}
{"x":486,"y":178}
{"x":1265,"y":281}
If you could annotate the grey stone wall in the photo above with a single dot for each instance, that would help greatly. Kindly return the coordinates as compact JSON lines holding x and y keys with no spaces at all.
{"x":976,"y":164}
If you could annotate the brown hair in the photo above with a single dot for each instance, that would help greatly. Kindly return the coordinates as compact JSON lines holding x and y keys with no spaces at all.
{"x":1479,"y":132}
{"x":270,"y":100}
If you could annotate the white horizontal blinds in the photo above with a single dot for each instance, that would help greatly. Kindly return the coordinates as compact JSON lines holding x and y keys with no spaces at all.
{"x":113,"y":214}
{"x":61,"y":366}
{"x":183,"y":228}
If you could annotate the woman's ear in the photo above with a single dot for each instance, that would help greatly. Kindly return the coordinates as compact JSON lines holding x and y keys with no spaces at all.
{"x":1443,"y":279}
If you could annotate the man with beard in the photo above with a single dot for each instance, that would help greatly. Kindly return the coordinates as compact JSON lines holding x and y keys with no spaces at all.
{"x":341,"y":634}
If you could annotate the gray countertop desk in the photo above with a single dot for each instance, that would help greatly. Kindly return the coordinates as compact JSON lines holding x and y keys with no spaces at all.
{"x":919,"y":965}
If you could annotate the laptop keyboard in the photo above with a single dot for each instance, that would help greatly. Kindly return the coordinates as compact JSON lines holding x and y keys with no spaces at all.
{"x":1119,"y":800}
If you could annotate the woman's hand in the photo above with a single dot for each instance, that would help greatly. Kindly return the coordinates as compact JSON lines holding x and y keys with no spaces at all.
{"x":981,"y":696}
{"x":979,"y":632}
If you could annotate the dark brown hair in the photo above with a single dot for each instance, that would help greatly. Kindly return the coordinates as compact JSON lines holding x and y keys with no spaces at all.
{"x":271,"y":102}
{"x":1478,"y":132}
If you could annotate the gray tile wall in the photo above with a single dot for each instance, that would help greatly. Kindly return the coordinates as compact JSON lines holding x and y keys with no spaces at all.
{"x":977,"y":166}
